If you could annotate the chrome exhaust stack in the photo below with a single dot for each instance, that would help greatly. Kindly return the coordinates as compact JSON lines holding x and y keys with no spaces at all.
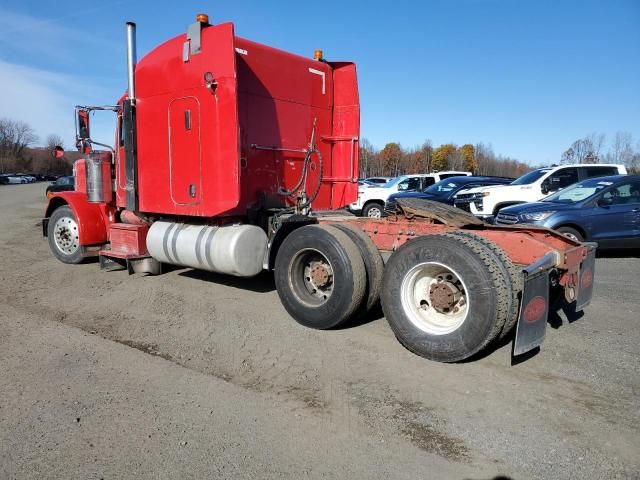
{"x":129,"y":124}
{"x":131,"y":60}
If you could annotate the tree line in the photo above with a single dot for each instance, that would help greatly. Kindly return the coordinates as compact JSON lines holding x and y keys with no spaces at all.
{"x":594,"y":148}
{"x":394,"y":160}
{"x":18,"y":153}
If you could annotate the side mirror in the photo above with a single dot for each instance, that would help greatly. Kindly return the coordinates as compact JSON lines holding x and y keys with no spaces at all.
{"x":83,"y":125}
{"x":544,"y":188}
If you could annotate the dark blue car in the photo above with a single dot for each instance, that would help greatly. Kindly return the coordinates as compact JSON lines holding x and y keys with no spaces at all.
{"x":604,"y":210}
{"x":444,"y":190}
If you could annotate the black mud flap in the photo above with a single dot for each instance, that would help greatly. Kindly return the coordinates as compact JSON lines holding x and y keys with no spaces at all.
{"x":587,"y":272}
{"x":534,"y":311}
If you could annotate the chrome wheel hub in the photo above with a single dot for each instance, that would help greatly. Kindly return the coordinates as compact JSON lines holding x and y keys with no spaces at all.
{"x":66,"y":236}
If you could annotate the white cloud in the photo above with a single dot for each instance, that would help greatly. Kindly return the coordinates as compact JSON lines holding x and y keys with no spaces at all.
{"x":45,"y":100}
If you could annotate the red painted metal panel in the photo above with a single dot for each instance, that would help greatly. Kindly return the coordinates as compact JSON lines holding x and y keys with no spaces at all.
{"x":93,"y":218}
{"x":130,"y":240}
{"x":185,"y":157}
{"x":254,"y":127}
{"x":162,"y":77}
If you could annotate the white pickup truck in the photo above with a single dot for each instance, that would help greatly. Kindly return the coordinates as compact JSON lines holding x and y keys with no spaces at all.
{"x":371,"y":199}
{"x":484,"y":202}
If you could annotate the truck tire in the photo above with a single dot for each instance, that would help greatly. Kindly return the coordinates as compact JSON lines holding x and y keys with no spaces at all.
{"x":373,"y":210}
{"x":445,"y":297}
{"x":373,"y":265}
{"x":320,"y":276}
{"x":64,"y":237}
{"x":572,"y":233}
{"x":513,"y":271}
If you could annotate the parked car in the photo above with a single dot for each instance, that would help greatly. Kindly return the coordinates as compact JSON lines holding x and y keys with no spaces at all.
{"x":62,"y":184}
{"x":485,"y":202}
{"x":371,"y":200}
{"x":444,"y":190}
{"x":11,"y":179}
{"x":378,"y":180}
{"x":605,"y":210}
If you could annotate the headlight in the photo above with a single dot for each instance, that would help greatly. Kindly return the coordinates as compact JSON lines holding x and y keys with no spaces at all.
{"x":536,"y":217}
{"x":481,"y":194}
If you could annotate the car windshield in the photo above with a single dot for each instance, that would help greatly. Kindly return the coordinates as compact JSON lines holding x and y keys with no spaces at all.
{"x":530,"y":177}
{"x":393,"y":182}
{"x":443,"y":187}
{"x":578,"y":192}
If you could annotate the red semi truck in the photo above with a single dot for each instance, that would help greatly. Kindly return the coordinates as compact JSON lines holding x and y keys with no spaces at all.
{"x":235,"y":157}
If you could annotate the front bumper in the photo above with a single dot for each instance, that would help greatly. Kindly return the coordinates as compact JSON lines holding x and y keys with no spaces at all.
{"x":534,"y":306}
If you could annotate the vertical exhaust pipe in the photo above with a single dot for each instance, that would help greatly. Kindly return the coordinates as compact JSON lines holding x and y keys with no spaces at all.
{"x":129,"y":124}
{"x":131,"y":59}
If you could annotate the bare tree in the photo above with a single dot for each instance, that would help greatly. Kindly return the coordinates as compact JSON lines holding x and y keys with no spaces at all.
{"x":621,"y":148}
{"x":54,"y":140}
{"x":15,"y":138}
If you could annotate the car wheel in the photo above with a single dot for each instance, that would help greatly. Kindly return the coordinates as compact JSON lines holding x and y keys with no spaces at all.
{"x":572,"y":233}
{"x":373,"y":210}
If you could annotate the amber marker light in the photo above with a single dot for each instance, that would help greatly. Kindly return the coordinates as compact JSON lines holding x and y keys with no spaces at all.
{"x":202,"y":18}
{"x":317,"y":54}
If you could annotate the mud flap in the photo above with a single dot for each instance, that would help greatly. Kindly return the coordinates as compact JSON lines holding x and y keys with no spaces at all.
{"x":587,"y":272}
{"x":534,"y":311}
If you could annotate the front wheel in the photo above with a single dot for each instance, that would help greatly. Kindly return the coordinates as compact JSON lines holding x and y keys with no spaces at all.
{"x":571,"y":233}
{"x":64,"y":236}
{"x":373,"y":210}
{"x":445,"y":297}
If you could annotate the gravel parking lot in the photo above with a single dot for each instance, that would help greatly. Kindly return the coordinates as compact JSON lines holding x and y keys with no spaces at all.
{"x":195,"y":375}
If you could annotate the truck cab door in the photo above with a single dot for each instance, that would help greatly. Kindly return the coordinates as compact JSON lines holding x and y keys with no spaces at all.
{"x":185,"y":156}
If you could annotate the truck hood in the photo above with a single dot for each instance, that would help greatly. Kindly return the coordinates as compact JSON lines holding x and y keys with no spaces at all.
{"x":533,"y":207}
{"x":372,"y":190}
{"x":395,"y":196}
{"x":489,"y":188}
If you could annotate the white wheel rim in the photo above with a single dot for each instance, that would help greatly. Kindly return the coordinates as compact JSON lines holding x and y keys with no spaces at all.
{"x":571,"y":236}
{"x":66,"y":236}
{"x":418,"y":303}
{"x":374,"y":212}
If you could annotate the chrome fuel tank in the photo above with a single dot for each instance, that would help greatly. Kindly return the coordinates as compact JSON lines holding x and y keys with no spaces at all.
{"x":234,"y":249}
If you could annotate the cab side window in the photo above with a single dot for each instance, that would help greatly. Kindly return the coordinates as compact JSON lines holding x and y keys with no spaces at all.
{"x":409,"y":184}
{"x":120,"y":131}
{"x":594,"y":171}
{"x":624,"y":194}
{"x":427,"y":182}
{"x":562,"y":178}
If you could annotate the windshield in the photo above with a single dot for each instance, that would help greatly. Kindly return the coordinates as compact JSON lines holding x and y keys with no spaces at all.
{"x":578,"y":192}
{"x":392,"y":182}
{"x":443,"y":187}
{"x":530,"y":177}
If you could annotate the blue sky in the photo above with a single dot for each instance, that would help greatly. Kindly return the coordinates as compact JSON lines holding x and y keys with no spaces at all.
{"x":528,"y":78}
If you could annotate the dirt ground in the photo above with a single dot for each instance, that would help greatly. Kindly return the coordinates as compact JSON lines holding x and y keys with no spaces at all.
{"x":196,"y":375}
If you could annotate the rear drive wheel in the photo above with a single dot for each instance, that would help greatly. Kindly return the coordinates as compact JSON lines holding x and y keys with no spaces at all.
{"x":320,"y":276}
{"x":373,"y":265}
{"x":445,"y":297}
{"x":514,"y":272}
{"x":572,"y":233}
{"x":64,"y":236}
{"x":373,"y":210}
